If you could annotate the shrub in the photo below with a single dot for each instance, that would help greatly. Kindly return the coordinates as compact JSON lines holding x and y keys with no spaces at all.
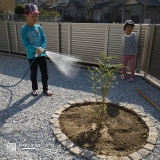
{"x":102,"y":79}
{"x":49,"y":13}
{"x":19,"y":9}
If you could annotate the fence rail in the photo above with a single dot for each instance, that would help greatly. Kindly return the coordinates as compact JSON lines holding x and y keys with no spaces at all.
{"x":85,"y":41}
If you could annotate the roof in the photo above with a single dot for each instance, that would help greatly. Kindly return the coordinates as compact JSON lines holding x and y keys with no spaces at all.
{"x":118,"y":6}
{"x":152,"y":3}
{"x":43,"y":3}
{"x":58,"y":5}
{"x":100,"y":5}
{"x":76,"y":4}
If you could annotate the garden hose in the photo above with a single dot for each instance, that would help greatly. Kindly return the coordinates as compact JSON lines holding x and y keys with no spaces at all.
{"x":42,"y":50}
{"x":5,"y":86}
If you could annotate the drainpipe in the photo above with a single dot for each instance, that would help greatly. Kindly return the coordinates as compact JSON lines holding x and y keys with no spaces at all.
{"x":122,"y":15}
{"x":145,"y":8}
{"x":101,"y":17}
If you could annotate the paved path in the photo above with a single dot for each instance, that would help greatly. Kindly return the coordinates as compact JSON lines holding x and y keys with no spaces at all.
{"x":25,"y":132}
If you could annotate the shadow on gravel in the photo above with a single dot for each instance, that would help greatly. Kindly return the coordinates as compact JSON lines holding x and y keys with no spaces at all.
{"x":125,"y":92}
{"x":16,"y":107}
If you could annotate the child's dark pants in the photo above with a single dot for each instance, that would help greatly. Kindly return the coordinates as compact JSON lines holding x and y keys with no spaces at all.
{"x":41,"y":62}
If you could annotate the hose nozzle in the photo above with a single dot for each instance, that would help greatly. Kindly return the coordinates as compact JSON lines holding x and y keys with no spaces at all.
{"x":41,"y":49}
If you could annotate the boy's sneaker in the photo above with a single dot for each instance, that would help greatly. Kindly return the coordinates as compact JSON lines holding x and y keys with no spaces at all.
{"x":35,"y":93}
{"x":131,"y":79}
{"x":123,"y":77}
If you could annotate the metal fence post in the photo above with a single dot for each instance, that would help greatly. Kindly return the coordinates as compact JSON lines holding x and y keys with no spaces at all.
{"x":139,"y":32}
{"x":8,"y":37}
{"x":69,"y":39}
{"x":58,"y":37}
{"x":148,"y":56}
{"x":106,"y":40}
{"x":145,"y":48}
{"x":16,"y":38}
{"x":138,"y":37}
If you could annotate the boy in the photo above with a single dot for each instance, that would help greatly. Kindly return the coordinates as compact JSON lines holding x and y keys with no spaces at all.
{"x":33,"y":37}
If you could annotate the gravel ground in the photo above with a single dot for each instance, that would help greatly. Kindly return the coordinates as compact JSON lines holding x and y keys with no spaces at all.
{"x":25,"y":132}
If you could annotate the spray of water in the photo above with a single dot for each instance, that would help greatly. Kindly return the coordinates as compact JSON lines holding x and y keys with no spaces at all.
{"x":65,"y":64}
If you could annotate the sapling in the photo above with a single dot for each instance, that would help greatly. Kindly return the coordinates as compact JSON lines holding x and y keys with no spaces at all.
{"x":102,"y":80}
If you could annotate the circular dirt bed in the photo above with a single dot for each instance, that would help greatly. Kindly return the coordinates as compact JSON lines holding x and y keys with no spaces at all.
{"x":121,"y":134}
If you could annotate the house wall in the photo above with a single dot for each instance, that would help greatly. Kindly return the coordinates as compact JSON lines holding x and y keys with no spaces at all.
{"x":97,"y":15}
{"x":71,"y":10}
{"x":7,"y":5}
{"x":88,"y":4}
{"x":133,"y":10}
{"x":74,"y":12}
{"x":151,"y":14}
{"x":108,"y":10}
{"x":80,"y":1}
{"x":88,"y":13}
{"x":79,"y":13}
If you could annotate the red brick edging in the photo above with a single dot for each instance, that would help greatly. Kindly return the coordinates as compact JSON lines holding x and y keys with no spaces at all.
{"x":66,"y":142}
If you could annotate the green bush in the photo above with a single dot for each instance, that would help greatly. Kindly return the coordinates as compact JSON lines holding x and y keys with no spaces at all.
{"x":49,"y":13}
{"x":102,"y":80}
{"x":19,"y":9}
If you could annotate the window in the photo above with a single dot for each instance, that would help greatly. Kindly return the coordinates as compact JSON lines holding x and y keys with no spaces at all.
{"x":106,"y":16}
{"x":135,"y":18}
{"x":157,"y":16}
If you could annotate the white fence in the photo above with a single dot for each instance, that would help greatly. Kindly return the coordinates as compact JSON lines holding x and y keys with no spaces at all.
{"x":87,"y":40}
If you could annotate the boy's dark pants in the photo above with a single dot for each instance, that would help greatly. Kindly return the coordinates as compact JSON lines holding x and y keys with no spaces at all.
{"x":41,"y":62}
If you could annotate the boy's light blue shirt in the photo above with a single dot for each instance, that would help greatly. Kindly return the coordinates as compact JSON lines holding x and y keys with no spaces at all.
{"x":33,"y":37}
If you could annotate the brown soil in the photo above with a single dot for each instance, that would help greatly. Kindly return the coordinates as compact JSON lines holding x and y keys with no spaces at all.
{"x":121,"y":134}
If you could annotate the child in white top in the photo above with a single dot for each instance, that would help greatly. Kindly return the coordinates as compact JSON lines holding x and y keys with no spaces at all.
{"x":130,"y":49}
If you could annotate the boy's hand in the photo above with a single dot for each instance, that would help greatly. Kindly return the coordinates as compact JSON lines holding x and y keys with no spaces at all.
{"x":38,"y":51}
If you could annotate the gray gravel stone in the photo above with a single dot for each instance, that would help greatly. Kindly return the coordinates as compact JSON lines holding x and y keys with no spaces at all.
{"x":25,"y":120}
